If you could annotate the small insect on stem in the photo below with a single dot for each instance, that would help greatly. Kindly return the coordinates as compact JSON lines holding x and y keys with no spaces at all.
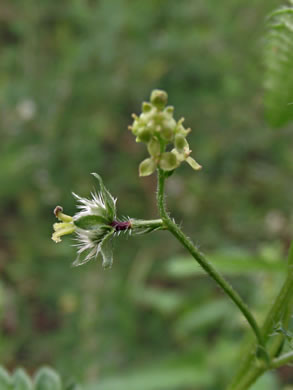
{"x":121,"y":225}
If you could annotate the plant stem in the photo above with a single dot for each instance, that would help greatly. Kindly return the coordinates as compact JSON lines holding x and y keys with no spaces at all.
{"x":278,"y":307}
{"x":204,"y":263}
{"x":282,"y":360}
{"x":254,"y":373}
{"x":248,"y":372}
{"x":278,"y":342}
{"x":145,"y":224}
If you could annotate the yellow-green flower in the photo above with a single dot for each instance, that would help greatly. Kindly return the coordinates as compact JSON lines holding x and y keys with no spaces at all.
{"x":66,"y":226}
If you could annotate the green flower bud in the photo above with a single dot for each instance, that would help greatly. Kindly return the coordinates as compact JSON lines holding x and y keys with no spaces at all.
{"x":145,"y":118}
{"x":135,"y":127}
{"x":169,"y":110}
{"x":168,"y":129}
{"x":170,"y":122}
{"x":146,"y":107}
{"x":181,"y":129}
{"x":180,"y":156}
{"x":194,"y":165}
{"x":180,"y":143}
{"x":147,"y":167}
{"x":154,"y":147}
{"x":144,"y":135}
{"x":167,"y":134}
{"x":168,"y":161}
{"x":159,"y":98}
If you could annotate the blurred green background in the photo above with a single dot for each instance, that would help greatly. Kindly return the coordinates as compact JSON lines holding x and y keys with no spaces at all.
{"x":71,"y":74}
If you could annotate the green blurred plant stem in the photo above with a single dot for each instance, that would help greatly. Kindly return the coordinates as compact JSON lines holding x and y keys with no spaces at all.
{"x":204,"y":263}
{"x":253,"y":373}
{"x":281,"y":310}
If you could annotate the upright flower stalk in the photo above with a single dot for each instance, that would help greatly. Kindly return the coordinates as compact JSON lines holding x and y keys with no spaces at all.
{"x":96,"y":224}
{"x":206,"y":265}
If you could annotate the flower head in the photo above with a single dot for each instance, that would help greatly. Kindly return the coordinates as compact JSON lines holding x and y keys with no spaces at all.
{"x":157,"y":128}
{"x":96,"y":224}
{"x":93,"y":225}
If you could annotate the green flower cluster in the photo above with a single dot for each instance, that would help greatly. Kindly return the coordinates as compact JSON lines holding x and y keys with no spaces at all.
{"x":157,"y":128}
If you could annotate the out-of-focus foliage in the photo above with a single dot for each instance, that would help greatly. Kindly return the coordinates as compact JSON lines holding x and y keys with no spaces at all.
{"x":279,"y":63}
{"x":71,"y":73}
{"x":44,"y":379}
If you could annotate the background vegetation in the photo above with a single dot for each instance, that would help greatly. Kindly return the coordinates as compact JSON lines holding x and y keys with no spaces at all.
{"x":71,"y":73}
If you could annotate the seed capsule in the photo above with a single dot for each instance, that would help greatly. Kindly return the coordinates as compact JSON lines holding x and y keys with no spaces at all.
{"x":147,"y":167}
{"x":168,"y":161}
{"x":154,"y":147}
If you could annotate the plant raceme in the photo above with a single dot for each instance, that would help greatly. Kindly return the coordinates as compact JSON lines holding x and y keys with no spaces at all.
{"x":158,"y":129}
{"x":96,"y":224}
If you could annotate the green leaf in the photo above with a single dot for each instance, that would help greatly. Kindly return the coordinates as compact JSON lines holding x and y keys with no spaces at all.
{"x":203,"y":316}
{"x":5,"y":380}
{"x":229,"y":264}
{"x":108,"y":198}
{"x":158,"y":376}
{"x":21,"y":381}
{"x":165,"y":301}
{"x":107,"y":250}
{"x":278,"y":60}
{"x":90,"y":222}
{"x":47,"y":379}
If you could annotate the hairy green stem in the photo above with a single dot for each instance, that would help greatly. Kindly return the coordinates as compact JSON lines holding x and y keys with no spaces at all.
{"x":148,"y":224}
{"x":204,"y":263}
{"x":280,"y":310}
{"x":279,"y":340}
